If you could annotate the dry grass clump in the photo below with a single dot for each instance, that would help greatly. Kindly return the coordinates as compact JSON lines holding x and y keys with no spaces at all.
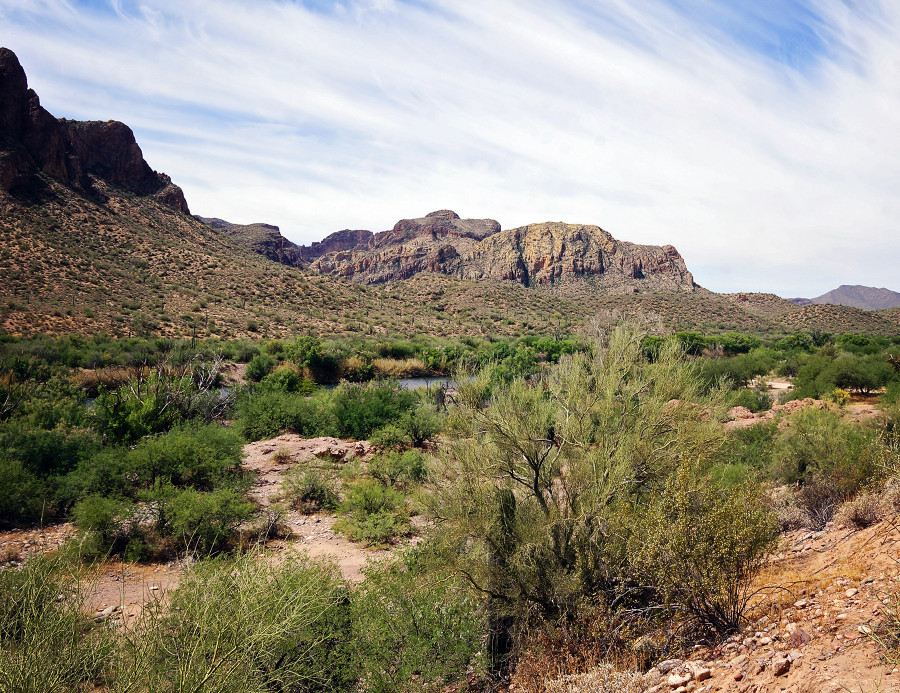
{"x":868,"y":508}
{"x":401,"y":368}
{"x":603,"y":679}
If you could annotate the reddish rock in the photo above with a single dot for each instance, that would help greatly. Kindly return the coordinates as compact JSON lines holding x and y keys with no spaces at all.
{"x":33,"y":142}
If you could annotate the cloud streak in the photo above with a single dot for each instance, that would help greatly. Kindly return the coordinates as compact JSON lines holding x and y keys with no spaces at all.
{"x":761,"y":141}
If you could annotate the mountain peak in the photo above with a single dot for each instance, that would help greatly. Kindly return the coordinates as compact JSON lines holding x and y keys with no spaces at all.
{"x":75,"y":153}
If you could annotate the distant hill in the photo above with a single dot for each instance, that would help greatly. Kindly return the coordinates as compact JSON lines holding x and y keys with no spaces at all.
{"x":265,"y":239}
{"x":865,"y":297}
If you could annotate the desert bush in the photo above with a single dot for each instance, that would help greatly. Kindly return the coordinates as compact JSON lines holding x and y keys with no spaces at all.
{"x":244,"y":625}
{"x":155,"y":403}
{"x":106,"y":517}
{"x":199,"y":522}
{"x":838,"y":396}
{"x":359,"y":410}
{"x":391,"y":468}
{"x":264,"y":413}
{"x":260,"y":366}
{"x":861,"y":512}
{"x":46,"y":642}
{"x":818,"y":443}
{"x":309,"y":490}
{"x":25,"y":498}
{"x":538,"y":479}
{"x":413,"y":628}
{"x":390,"y":437}
{"x":419,"y":424}
{"x":287,"y":379}
{"x":755,"y":399}
{"x":747,"y":452}
{"x":818,"y":499}
{"x":373,"y":513}
{"x":201,"y":456}
{"x":701,"y":547}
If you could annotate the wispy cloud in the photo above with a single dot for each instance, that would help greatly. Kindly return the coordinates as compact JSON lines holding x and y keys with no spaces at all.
{"x":759,"y":137}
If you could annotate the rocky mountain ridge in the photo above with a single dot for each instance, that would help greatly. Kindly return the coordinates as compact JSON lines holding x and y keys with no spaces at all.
{"x":548,"y":253}
{"x":74,"y":153}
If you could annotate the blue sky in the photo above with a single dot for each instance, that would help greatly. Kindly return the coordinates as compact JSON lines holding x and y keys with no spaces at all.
{"x":760,"y":137}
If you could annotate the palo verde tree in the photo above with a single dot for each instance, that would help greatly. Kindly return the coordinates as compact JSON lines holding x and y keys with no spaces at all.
{"x":544,"y":481}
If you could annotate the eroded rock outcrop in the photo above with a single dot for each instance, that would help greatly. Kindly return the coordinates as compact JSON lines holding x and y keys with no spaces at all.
{"x":436,"y":242}
{"x":32,"y":141}
{"x":336,"y":242}
{"x":539,"y":254}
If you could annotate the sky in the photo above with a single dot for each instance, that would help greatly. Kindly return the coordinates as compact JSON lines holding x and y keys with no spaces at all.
{"x":759,"y":137}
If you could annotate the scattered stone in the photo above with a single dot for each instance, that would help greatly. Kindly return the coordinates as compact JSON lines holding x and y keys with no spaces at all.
{"x":668,"y":665}
{"x":676,"y":680}
{"x":780,"y":665}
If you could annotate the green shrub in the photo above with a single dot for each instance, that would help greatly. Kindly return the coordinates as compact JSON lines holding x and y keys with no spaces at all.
{"x":413,"y":628}
{"x":420,"y":425}
{"x":393,"y":467}
{"x":818,"y":443}
{"x":202,"y":522}
{"x":372,"y":513}
{"x":260,"y":366}
{"x":201,"y":456}
{"x":25,"y":499}
{"x":245,"y":625}
{"x":390,"y":437}
{"x":308,"y":490}
{"x":359,"y":410}
{"x":265,"y":413}
{"x":46,"y":642}
{"x":159,"y":401}
{"x":754,"y":399}
{"x":701,"y":547}
{"x":286,"y":379}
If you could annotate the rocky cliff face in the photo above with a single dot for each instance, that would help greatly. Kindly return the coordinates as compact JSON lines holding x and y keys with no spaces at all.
{"x":434,"y":243}
{"x":538,"y":254}
{"x":32,"y":141}
{"x":336,"y":242}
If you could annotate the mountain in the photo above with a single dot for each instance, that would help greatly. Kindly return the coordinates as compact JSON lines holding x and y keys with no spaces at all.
{"x":93,"y":239}
{"x":547,"y":254}
{"x":33,"y":142}
{"x":856,"y":296}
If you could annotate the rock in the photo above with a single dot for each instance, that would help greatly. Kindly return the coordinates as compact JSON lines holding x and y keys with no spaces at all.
{"x":676,"y":680}
{"x":33,"y":142}
{"x":737,"y":661}
{"x":738,"y":413}
{"x":780,"y":665}
{"x":335,"y":243}
{"x":668,"y":665}
{"x":476,"y":249}
{"x":851,"y":593}
{"x":799,"y":637}
{"x":699,"y":672}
